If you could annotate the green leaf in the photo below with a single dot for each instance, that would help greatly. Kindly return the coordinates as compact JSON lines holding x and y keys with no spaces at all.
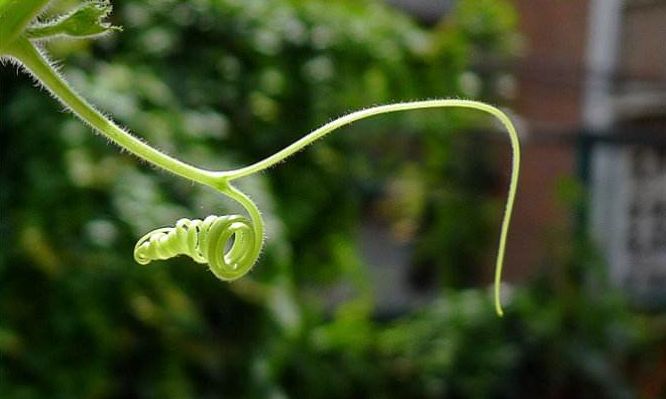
{"x":85,"y":21}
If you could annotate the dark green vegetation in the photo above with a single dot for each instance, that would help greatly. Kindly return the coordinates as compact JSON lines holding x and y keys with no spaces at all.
{"x":224,"y":83}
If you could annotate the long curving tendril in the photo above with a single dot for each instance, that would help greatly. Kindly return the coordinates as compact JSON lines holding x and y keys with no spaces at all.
{"x":231,"y":244}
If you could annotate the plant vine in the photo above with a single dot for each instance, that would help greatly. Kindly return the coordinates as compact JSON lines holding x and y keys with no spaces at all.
{"x":230,"y":244}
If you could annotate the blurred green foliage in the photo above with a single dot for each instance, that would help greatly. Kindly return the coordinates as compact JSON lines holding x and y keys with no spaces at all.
{"x":222,"y":83}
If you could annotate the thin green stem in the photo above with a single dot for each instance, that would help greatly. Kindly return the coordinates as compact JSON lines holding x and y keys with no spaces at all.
{"x":385,"y":109}
{"x":251,"y":208}
{"x":36,"y":63}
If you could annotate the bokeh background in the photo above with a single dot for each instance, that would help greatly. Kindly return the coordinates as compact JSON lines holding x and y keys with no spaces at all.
{"x":381,"y":238}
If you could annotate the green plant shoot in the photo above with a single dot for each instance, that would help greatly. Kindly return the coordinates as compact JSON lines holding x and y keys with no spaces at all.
{"x":205,"y":241}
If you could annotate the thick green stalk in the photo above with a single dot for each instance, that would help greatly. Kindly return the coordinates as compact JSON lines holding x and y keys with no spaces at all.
{"x":15,"y":15}
{"x":26,"y":53}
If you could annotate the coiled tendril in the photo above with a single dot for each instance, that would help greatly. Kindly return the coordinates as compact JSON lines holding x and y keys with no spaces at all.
{"x":226,"y":243}
{"x":204,"y":240}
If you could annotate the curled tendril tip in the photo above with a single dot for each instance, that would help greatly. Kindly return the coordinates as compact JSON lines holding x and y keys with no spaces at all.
{"x":226,"y":243}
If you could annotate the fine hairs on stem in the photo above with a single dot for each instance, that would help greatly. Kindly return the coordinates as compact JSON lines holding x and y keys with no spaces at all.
{"x":205,"y":241}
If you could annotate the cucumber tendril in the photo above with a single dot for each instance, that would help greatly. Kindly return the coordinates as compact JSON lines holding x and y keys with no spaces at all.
{"x":205,"y":241}
{"x":231,"y":244}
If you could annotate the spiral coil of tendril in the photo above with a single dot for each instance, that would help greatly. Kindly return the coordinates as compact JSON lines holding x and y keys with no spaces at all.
{"x":205,"y":241}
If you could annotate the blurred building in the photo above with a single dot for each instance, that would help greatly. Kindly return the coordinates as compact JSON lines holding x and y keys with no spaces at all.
{"x":592,"y":92}
{"x":628,"y":179}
